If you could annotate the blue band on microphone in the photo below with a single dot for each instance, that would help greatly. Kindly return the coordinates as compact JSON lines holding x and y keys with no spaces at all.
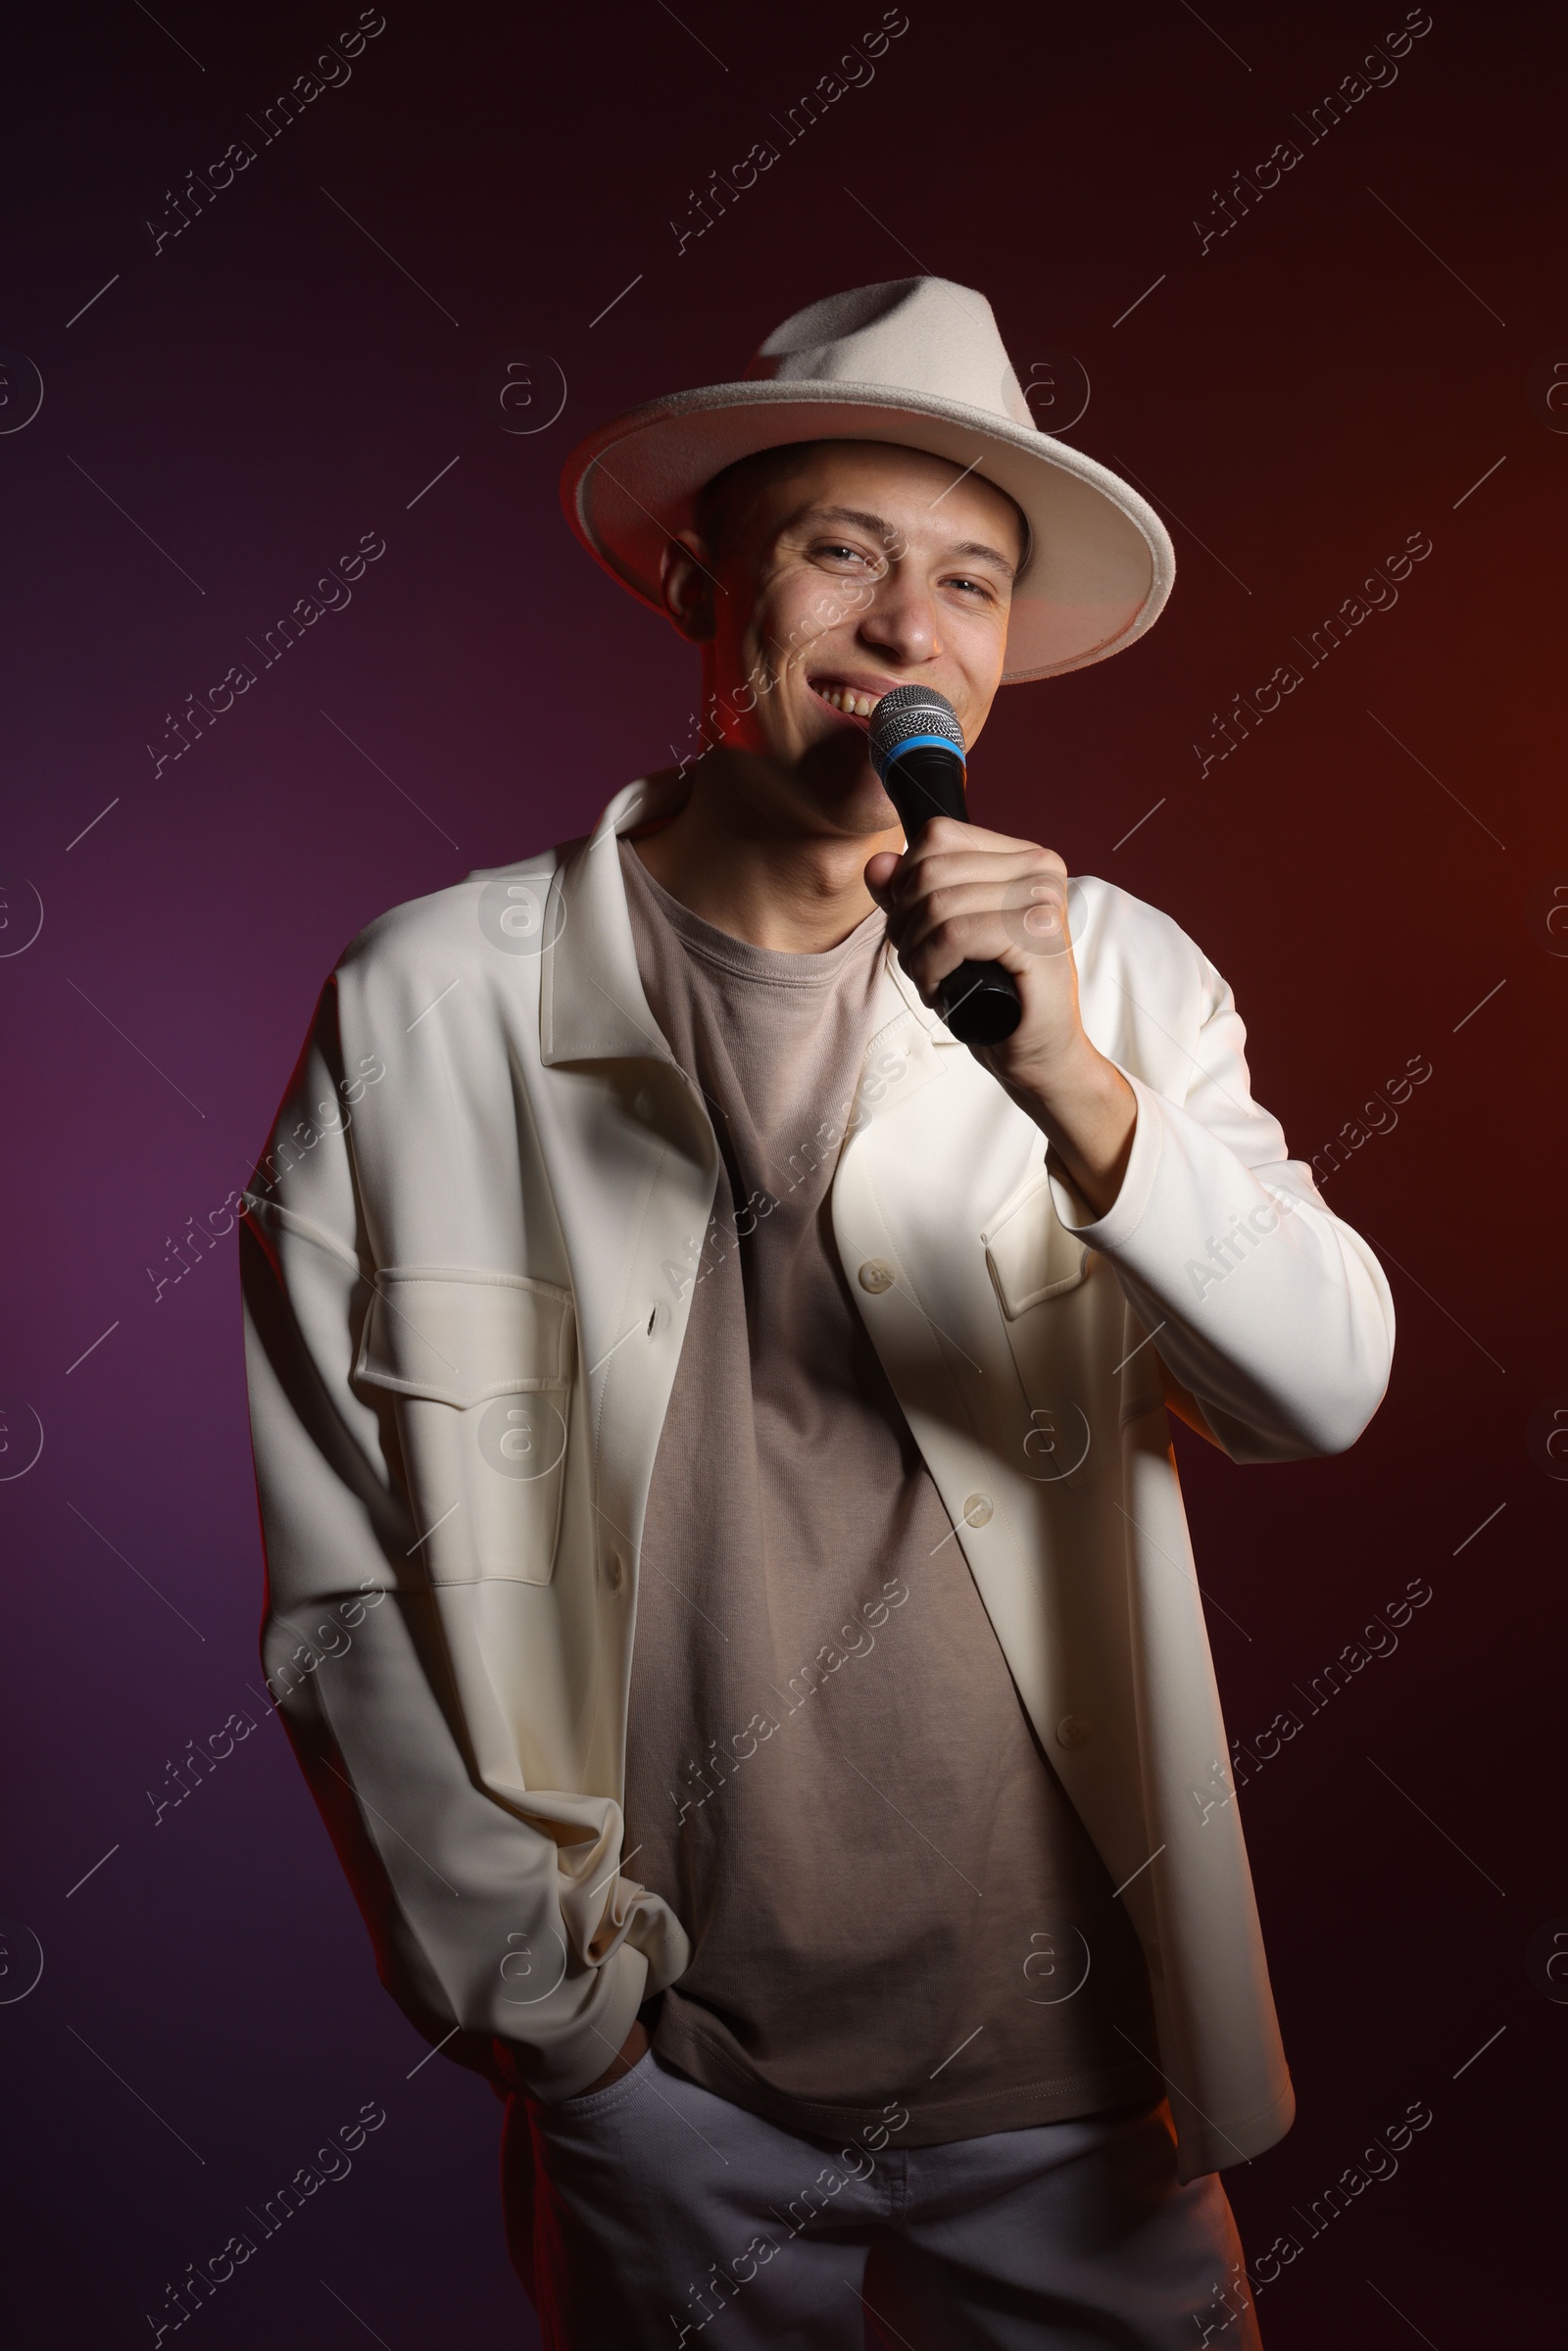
{"x":921,"y":743}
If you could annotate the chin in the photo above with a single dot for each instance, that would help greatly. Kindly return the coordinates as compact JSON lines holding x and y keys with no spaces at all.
{"x":846,"y":793}
{"x":836,"y":761}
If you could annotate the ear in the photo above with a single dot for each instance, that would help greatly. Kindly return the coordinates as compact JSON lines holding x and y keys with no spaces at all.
{"x":687,"y":587}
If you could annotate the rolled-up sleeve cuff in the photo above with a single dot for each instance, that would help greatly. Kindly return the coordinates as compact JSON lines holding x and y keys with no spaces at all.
{"x":580,"y":2054}
{"x":1121,"y":1219}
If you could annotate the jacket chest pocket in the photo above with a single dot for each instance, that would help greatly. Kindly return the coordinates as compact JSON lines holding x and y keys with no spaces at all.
{"x":1040,"y":1275}
{"x":480,"y":1365}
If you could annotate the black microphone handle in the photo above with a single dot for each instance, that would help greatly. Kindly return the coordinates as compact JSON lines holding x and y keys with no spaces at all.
{"x":979,"y":1001}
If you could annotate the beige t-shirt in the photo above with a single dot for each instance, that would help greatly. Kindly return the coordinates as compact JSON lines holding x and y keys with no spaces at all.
{"x":830,"y":1775}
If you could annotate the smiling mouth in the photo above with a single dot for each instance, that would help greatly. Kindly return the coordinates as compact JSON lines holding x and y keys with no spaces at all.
{"x":846,"y":702}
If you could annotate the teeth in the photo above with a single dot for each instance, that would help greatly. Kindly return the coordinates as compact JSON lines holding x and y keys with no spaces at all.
{"x":841,"y":698}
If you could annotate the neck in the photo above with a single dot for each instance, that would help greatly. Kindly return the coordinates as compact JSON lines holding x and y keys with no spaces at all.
{"x":742,"y":856}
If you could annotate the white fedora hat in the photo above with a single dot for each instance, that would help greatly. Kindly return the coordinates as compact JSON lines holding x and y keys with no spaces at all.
{"x":918,"y":361}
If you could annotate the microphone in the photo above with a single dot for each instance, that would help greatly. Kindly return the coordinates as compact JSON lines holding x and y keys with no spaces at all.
{"x":918,"y":750}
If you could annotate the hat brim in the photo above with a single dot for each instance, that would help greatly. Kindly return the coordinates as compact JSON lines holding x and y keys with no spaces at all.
{"x":1102,"y":565}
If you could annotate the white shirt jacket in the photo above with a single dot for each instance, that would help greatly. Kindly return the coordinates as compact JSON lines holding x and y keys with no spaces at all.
{"x":467,"y":1261}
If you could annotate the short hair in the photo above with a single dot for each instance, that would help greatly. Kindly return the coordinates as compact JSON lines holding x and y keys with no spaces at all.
{"x":720,"y":502}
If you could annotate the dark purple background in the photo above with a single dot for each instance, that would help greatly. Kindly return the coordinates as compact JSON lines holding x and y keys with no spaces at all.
{"x":1320,"y":382}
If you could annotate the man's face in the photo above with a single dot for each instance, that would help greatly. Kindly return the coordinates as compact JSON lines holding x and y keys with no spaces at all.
{"x":862,"y":567}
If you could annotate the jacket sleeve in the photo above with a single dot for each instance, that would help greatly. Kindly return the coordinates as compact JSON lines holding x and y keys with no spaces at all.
{"x":1273,"y":1314}
{"x":495,"y":1926}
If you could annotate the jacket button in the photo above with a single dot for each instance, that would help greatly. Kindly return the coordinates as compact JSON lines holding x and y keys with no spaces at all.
{"x":979,"y":1510}
{"x":614,"y":1570}
{"x":1074,"y":1730}
{"x":876,"y":1276}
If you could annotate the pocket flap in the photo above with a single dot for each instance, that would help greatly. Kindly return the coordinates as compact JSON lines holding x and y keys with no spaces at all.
{"x":458,"y":1336}
{"x":1031,"y":1254}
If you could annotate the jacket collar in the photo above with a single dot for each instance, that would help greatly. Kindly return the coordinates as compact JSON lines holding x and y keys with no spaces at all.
{"x":591,"y":1001}
{"x":910,"y":1000}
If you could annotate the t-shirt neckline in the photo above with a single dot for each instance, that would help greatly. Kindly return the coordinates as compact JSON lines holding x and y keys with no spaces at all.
{"x":767,"y":966}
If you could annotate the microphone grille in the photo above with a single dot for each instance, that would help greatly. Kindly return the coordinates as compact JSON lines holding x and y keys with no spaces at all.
{"x":909,"y":710}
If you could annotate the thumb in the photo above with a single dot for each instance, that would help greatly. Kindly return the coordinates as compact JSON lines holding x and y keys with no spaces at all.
{"x":879,"y":874}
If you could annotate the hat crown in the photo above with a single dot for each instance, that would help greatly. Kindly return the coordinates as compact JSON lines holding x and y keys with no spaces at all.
{"x":925,"y":335}
{"x":917,"y":362}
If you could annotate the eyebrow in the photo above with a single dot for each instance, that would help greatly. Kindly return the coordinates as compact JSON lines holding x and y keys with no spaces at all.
{"x":880,"y":528}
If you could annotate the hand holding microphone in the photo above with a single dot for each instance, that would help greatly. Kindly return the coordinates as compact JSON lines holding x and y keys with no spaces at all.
{"x":918,"y":750}
{"x":996,"y":892}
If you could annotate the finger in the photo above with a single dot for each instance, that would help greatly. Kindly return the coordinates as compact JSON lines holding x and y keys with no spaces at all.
{"x":988,"y":934}
{"x":1031,"y":907}
{"x":948,"y":832}
{"x":925,"y":868}
{"x":936,"y":878}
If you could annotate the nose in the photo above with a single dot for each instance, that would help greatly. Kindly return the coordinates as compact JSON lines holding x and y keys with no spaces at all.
{"x":901,"y":620}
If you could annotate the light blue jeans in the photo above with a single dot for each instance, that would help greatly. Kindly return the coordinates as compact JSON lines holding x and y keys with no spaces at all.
{"x":655,"y":2214}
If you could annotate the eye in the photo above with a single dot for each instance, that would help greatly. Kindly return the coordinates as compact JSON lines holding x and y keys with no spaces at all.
{"x":973,"y":587}
{"x":839,"y":551}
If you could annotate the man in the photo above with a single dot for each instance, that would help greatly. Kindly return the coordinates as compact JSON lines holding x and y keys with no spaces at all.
{"x":869,"y":1942}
